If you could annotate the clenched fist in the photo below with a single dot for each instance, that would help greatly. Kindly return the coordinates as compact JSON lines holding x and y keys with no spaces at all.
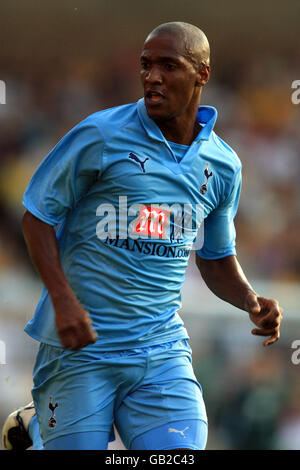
{"x":266,"y":314}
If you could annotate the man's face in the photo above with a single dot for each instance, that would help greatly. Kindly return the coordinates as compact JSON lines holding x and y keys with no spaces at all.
{"x":168,"y":78}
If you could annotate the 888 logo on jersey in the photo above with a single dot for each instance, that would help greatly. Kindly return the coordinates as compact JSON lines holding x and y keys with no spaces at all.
{"x":175,"y":223}
{"x":152,"y":221}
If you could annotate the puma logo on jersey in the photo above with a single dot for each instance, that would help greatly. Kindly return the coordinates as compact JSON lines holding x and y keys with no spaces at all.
{"x":180,"y":432}
{"x":137,"y":160}
{"x":207,"y":175}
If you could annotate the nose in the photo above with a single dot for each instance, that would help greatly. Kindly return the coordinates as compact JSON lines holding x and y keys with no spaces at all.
{"x":153,"y":75}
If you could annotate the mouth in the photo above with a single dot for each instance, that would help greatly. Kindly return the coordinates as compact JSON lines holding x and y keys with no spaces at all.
{"x":154,"y":97}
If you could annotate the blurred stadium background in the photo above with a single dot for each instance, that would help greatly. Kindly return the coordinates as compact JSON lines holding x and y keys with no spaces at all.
{"x":64,"y":59}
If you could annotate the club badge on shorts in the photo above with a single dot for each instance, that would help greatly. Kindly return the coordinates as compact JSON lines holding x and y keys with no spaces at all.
{"x":52,"y":420}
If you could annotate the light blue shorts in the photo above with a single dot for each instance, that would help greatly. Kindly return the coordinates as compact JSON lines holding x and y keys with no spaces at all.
{"x":139,"y":390}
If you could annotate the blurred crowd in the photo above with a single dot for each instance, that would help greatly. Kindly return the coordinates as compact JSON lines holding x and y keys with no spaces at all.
{"x":252,"y":399}
{"x":249,"y":402}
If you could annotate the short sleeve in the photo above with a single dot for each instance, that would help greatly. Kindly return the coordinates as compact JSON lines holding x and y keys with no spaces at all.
{"x":66,"y":174}
{"x":219,"y":229}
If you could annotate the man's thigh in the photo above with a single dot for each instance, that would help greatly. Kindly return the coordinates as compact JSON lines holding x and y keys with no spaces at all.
{"x":72,"y":394}
{"x":79,"y":441}
{"x":168,"y":394}
{"x":185,"y":434}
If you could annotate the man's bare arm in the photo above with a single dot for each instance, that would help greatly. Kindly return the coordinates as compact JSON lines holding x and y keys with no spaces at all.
{"x":226,"y":279}
{"x":72,"y":321}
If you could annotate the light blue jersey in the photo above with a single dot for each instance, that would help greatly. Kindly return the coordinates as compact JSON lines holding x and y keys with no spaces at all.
{"x":120,"y":197}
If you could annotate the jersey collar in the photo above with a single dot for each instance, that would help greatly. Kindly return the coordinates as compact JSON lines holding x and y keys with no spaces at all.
{"x":207,"y":116}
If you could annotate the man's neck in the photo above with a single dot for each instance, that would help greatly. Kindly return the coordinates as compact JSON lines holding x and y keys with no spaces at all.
{"x":183,"y":133}
{"x":182,"y":129}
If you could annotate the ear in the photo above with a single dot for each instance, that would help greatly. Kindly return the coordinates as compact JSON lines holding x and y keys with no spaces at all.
{"x":203,"y":74}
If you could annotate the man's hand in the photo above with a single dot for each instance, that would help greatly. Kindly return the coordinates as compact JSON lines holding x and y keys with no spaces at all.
{"x":266,"y":314}
{"x":74,"y":325}
{"x":226,"y":279}
{"x":72,"y":321}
